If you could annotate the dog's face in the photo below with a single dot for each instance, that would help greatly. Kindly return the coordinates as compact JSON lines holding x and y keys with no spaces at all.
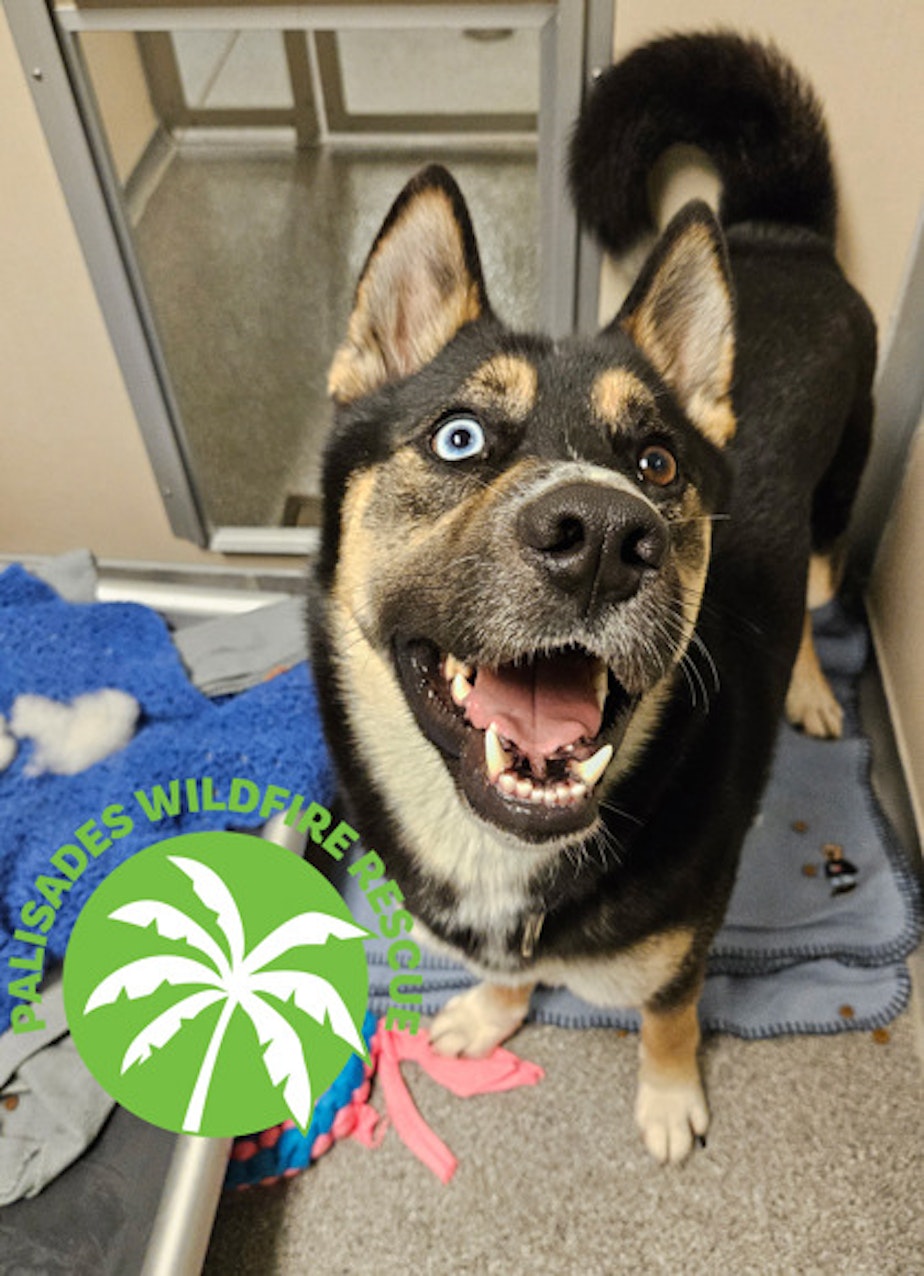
{"x":517,"y":531}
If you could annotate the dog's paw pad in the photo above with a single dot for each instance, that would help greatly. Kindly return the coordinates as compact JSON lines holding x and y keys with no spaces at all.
{"x":473,"y":1023}
{"x":670,"y":1117}
{"x":812,"y":706}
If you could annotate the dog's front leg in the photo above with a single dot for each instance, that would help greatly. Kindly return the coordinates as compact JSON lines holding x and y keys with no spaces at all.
{"x":474,"y":1022}
{"x":671,"y":1105}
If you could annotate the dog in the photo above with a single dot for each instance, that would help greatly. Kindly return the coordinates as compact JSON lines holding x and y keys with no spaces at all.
{"x":560,"y":600}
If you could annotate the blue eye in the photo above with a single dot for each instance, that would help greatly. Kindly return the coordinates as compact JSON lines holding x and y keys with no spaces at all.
{"x":458,"y":439}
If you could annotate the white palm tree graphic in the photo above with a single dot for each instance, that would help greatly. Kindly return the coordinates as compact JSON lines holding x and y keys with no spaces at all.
{"x":236,"y":978}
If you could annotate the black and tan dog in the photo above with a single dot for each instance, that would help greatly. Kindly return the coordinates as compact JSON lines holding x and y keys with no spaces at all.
{"x":562,"y":585}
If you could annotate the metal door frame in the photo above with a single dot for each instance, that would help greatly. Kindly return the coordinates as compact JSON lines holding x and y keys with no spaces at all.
{"x":575,"y":37}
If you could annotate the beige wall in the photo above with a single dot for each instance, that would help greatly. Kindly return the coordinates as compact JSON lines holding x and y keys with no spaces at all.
{"x":121,"y":89}
{"x":896,"y":604}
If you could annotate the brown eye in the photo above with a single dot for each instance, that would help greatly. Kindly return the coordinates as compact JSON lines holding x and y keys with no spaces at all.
{"x":657,"y":465}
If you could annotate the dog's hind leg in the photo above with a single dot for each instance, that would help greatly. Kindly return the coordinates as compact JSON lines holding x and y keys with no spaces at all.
{"x":810,"y":702}
{"x":671,"y":1108}
{"x":474,"y":1022}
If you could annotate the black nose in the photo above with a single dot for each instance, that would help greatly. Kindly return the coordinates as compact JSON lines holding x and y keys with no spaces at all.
{"x":593,"y":542}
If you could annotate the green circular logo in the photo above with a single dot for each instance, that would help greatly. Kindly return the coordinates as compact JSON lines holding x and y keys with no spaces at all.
{"x":216,"y":984}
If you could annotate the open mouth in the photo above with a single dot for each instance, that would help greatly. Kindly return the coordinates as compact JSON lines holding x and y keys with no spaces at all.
{"x":530,"y":741}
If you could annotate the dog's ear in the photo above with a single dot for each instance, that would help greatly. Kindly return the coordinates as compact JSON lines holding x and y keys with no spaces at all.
{"x":680,"y":314}
{"x":421,"y":283}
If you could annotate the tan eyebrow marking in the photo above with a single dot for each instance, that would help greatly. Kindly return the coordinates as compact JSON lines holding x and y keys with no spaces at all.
{"x":506,"y":383}
{"x":618,"y":396}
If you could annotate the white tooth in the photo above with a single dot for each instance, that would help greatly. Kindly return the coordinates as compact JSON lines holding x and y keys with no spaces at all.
{"x":563,"y":792}
{"x":524,"y":789}
{"x":591,"y":770}
{"x":550,"y":797}
{"x":452,"y":666}
{"x":496,"y":760}
{"x":537,"y":797}
{"x":577,"y":791}
{"x":600,"y":684}
{"x":461,"y":688}
{"x":507,"y":782}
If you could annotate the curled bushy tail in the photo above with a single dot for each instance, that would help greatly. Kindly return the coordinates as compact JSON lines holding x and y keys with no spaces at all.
{"x":738,"y":100}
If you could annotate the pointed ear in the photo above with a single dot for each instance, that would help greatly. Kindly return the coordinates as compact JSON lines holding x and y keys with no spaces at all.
{"x":680,"y":314}
{"x":421,"y":283}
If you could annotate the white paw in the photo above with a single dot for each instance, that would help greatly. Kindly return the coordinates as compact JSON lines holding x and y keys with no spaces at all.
{"x":811,"y":705}
{"x":670,"y":1116}
{"x":474,"y":1022}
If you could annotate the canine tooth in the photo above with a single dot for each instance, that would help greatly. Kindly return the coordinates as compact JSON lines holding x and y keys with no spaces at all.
{"x":507,"y":782}
{"x":496,"y":760}
{"x":461,"y":688}
{"x":601,"y":682}
{"x":590,"y":770}
{"x":452,"y":667}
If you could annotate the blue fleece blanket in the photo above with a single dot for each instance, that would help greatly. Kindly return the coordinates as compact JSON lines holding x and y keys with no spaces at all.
{"x":792,"y":956}
{"x":269,"y":734}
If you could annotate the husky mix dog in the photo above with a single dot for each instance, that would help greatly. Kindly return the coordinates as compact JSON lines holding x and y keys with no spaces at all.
{"x":561,"y":599}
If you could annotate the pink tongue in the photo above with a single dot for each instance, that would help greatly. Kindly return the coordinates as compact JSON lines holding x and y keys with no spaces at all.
{"x":541,"y":706}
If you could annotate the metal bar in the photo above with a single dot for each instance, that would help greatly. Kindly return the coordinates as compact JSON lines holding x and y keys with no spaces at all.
{"x":238,"y":117}
{"x":299,"y":17}
{"x":162,"y":72}
{"x":562,"y":62}
{"x":598,"y":54}
{"x":366,"y":142}
{"x":330,"y":81}
{"x":183,"y":1223}
{"x":79,"y":154}
{"x":265,"y":540}
{"x":320,"y":105}
{"x":307,"y":124}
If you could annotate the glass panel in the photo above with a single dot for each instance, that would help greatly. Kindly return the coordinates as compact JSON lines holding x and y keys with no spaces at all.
{"x":253,"y":72}
{"x":250,"y":247}
{"x":440,"y":72}
{"x":200,"y":55}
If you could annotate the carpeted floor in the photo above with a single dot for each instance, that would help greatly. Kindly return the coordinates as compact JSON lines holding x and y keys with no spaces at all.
{"x":815,"y":1164}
